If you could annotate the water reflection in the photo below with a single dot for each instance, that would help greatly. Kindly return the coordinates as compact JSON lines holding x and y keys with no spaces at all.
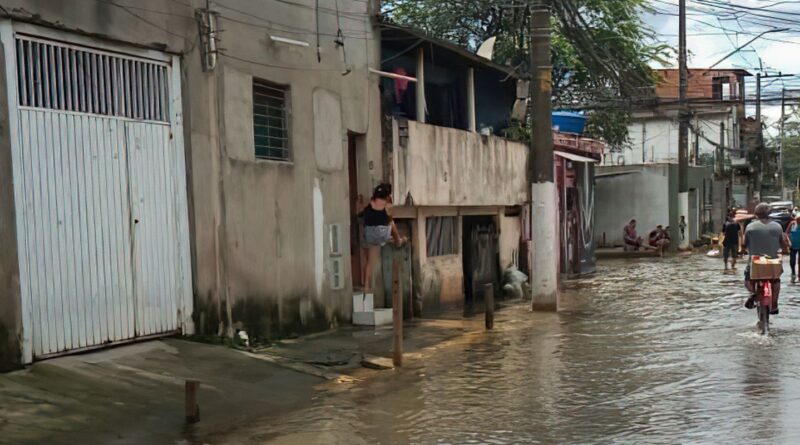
{"x":646,"y":351}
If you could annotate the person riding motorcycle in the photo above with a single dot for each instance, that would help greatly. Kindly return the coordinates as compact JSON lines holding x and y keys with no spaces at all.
{"x":763,"y":237}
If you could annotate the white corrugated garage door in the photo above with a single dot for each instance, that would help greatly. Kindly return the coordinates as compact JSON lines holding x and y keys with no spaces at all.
{"x":100,"y":192}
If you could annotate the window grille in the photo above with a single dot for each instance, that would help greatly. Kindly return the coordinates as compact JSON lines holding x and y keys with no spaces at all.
{"x":270,"y":121}
{"x":71,"y":78}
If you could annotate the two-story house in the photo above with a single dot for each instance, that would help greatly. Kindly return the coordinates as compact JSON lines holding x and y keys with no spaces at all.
{"x":461,"y":185}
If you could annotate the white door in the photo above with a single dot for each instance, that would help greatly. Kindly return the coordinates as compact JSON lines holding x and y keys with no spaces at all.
{"x":155,"y":228}
{"x":100,"y":196}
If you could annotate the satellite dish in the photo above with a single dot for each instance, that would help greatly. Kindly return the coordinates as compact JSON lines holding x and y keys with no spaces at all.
{"x":487,"y":48}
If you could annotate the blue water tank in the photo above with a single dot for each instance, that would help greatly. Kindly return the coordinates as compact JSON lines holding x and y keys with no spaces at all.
{"x":569,"y":122}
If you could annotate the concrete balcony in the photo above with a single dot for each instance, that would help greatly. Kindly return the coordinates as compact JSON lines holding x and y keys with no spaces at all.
{"x":439,"y":166}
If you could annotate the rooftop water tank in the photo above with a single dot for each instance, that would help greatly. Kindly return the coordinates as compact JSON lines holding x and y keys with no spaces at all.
{"x":569,"y":122}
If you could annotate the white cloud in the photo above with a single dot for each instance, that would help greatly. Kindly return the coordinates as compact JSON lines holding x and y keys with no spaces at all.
{"x":707,"y":44}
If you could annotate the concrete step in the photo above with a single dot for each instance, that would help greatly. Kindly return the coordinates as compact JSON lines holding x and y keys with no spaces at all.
{"x":363,"y":302}
{"x":377,"y":317}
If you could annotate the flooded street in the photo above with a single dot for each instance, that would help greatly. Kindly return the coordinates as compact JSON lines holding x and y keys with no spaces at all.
{"x":648,"y":351}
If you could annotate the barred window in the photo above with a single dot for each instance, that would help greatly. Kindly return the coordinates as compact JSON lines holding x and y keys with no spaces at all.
{"x":72,"y":78}
{"x":270,"y":121}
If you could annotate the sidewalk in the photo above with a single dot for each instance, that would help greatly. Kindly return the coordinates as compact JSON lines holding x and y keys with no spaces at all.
{"x":340,"y":354}
{"x":134,"y":394}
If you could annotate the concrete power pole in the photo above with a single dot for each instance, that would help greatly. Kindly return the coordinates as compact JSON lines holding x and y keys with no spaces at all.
{"x":780,"y":153}
{"x":683,"y":137}
{"x":544,"y":215}
{"x":759,"y":176}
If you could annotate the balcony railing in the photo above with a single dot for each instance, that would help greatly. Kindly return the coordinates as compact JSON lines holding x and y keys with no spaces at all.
{"x":573,"y":142}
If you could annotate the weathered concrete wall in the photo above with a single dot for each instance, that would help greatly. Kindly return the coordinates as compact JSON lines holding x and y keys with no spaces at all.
{"x":439,"y":281}
{"x":260,"y":248}
{"x":643,"y":192}
{"x":10,"y":302}
{"x":510,"y":230}
{"x":276,"y":217}
{"x":626,"y":192}
{"x":441,"y":166}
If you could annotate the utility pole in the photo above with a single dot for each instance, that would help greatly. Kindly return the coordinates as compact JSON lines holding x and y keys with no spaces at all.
{"x":780,"y":153}
{"x":683,"y":136}
{"x":721,"y":150}
{"x":758,"y":98}
{"x":544,"y":215}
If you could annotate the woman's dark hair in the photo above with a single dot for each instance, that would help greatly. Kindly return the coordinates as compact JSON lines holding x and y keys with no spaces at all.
{"x":382,"y":191}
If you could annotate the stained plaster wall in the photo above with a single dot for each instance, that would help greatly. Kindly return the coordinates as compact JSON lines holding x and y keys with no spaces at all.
{"x":441,"y":166}
{"x":260,"y":253}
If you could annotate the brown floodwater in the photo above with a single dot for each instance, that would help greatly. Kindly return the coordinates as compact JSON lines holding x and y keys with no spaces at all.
{"x":646,"y":351}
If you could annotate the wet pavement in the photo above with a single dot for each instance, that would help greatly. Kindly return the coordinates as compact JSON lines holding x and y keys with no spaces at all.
{"x":646,"y":351}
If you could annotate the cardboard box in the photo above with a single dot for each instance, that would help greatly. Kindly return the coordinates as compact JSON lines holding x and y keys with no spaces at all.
{"x":763,"y":268}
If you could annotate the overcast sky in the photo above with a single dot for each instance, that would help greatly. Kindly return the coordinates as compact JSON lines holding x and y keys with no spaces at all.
{"x":714,"y":31}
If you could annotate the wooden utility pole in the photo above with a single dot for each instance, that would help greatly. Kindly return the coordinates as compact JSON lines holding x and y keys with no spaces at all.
{"x":544,"y":214}
{"x":683,"y":132}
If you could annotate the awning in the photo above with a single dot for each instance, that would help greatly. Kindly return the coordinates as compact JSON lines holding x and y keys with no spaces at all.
{"x":601,"y":175}
{"x":574,"y":157}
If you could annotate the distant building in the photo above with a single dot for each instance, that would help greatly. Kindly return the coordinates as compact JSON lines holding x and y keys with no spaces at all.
{"x":720,"y":138}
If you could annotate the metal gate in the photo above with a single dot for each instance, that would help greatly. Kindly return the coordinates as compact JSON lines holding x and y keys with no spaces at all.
{"x":100,"y":192}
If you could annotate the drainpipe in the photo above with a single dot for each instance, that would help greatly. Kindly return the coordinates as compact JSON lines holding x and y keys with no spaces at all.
{"x":421,"y":106}
{"x":471,"y":99}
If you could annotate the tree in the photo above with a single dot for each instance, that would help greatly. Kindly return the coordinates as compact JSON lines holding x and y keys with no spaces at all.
{"x":601,"y":48}
{"x":791,"y":147}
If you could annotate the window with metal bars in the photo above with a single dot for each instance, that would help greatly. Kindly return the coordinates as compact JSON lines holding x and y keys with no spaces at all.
{"x":270,"y":120}
{"x":71,"y":78}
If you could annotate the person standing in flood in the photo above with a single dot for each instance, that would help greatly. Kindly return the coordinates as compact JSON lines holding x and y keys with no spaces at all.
{"x":379,"y":228}
{"x":793,"y":231}
{"x":731,"y":241}
{"x":682,"y":227}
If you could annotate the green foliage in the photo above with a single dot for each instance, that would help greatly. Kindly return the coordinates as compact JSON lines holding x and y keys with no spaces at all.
{"x":601,"y":48}
{"x":791,"y":147}
{"x":610,"y":125}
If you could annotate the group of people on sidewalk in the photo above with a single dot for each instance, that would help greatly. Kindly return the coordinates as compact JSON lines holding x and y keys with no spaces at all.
{"x":658,"y":239}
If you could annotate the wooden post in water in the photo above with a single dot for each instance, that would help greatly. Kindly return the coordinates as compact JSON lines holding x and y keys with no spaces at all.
{"x":397,"y":314}
{"x":488,"y":299}
{"x":191,"y":406}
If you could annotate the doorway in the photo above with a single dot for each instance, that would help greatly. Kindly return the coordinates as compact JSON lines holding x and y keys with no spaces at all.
{"x":357,"y":259}
{"x":480,"y":258}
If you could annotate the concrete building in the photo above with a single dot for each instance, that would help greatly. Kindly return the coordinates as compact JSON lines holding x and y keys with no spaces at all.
{"x":461,"y":186}
{"x":157,"y":179}
{"x":643,"y":192}
{"x":718,"y":148}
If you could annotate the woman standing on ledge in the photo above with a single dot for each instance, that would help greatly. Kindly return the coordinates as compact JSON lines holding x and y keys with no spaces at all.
{"x":379,"y":228}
